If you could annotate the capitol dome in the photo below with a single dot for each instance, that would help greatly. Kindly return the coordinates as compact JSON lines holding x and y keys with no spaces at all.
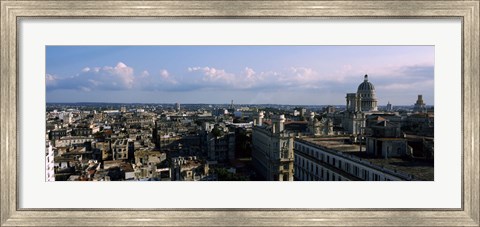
{"x":366,"y":86}
{"x":366,"y":93}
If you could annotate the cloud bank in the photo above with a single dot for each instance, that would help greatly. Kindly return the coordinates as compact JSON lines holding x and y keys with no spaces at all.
{"x":121,"y":77}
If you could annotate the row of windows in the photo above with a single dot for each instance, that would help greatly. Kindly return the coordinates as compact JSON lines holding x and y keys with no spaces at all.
{"x":75,"y":141}
{"x":56,"y":133}
{"x":337,"y":163}
{"x":319,"y":174}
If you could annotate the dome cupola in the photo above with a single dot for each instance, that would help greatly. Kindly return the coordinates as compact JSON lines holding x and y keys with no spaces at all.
{"x":365,"y":86}
{"x":366,"y":94}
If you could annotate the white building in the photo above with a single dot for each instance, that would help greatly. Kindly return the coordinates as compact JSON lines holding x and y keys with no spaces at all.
{"x":317,"y":162}
{"x":272,"y":152}
{"x":49,"y":163}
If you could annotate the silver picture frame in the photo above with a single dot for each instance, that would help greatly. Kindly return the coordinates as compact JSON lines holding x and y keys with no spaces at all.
{"x":13,"y":11}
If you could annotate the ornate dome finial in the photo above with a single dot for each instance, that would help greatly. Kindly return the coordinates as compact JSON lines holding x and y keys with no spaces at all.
{"x":366,"y":77}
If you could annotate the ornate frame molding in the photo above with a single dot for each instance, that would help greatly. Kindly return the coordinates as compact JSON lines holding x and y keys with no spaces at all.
{"x":12,"y":11}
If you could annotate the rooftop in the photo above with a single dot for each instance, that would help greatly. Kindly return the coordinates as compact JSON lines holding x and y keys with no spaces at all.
{"x":148,"y":152}
{"x":335,"y":143}
{"x":420,"y":169}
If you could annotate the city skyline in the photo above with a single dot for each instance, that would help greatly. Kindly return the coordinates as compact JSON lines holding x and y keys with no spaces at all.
{"x":295,"y":75}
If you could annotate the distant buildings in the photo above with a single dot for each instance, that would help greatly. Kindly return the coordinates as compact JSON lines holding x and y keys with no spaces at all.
{"x":177,"y":107}
{"x":419,"y":105}
{"x":389,"y":106}
{"x":205,"y":142}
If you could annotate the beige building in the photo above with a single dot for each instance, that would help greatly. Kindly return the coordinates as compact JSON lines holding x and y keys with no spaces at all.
{"x":123,"y":149}
{"x":272,"y":152}
{"x":189,"y":169}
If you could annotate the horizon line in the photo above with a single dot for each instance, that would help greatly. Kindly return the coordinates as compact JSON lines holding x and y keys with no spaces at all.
{"x":235,"y":104}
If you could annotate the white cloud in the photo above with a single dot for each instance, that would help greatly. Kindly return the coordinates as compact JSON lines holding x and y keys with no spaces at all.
{"x":302,"y":75}
{"x":164,"y":73}
{"x":248,"y":78}
{"x":119,"y":77}
{"x":249,"y":72}
{"x":50,"y":80}
{"x":167,"y":77}
{"x":211,"y":74}
{"x":345,"y":79}
{"x":145,"y":73}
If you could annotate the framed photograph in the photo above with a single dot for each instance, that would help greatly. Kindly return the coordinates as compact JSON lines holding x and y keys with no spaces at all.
{"x":239,"y":113}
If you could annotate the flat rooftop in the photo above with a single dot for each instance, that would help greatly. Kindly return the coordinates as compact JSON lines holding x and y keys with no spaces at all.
{"x":421,"y":169}
{"x":335,"y":143}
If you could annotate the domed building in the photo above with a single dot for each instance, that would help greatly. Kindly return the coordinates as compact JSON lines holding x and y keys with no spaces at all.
{"x":359,"y":105}
{"x":366,"y":94}
{"x":364,"y":100}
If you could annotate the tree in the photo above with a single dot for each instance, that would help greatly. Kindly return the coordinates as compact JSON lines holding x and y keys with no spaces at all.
{"x":217,"y":132}
{"x":224,"y":175}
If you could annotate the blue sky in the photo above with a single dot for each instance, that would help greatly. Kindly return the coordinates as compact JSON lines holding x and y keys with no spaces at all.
{"x":297,"y":75}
